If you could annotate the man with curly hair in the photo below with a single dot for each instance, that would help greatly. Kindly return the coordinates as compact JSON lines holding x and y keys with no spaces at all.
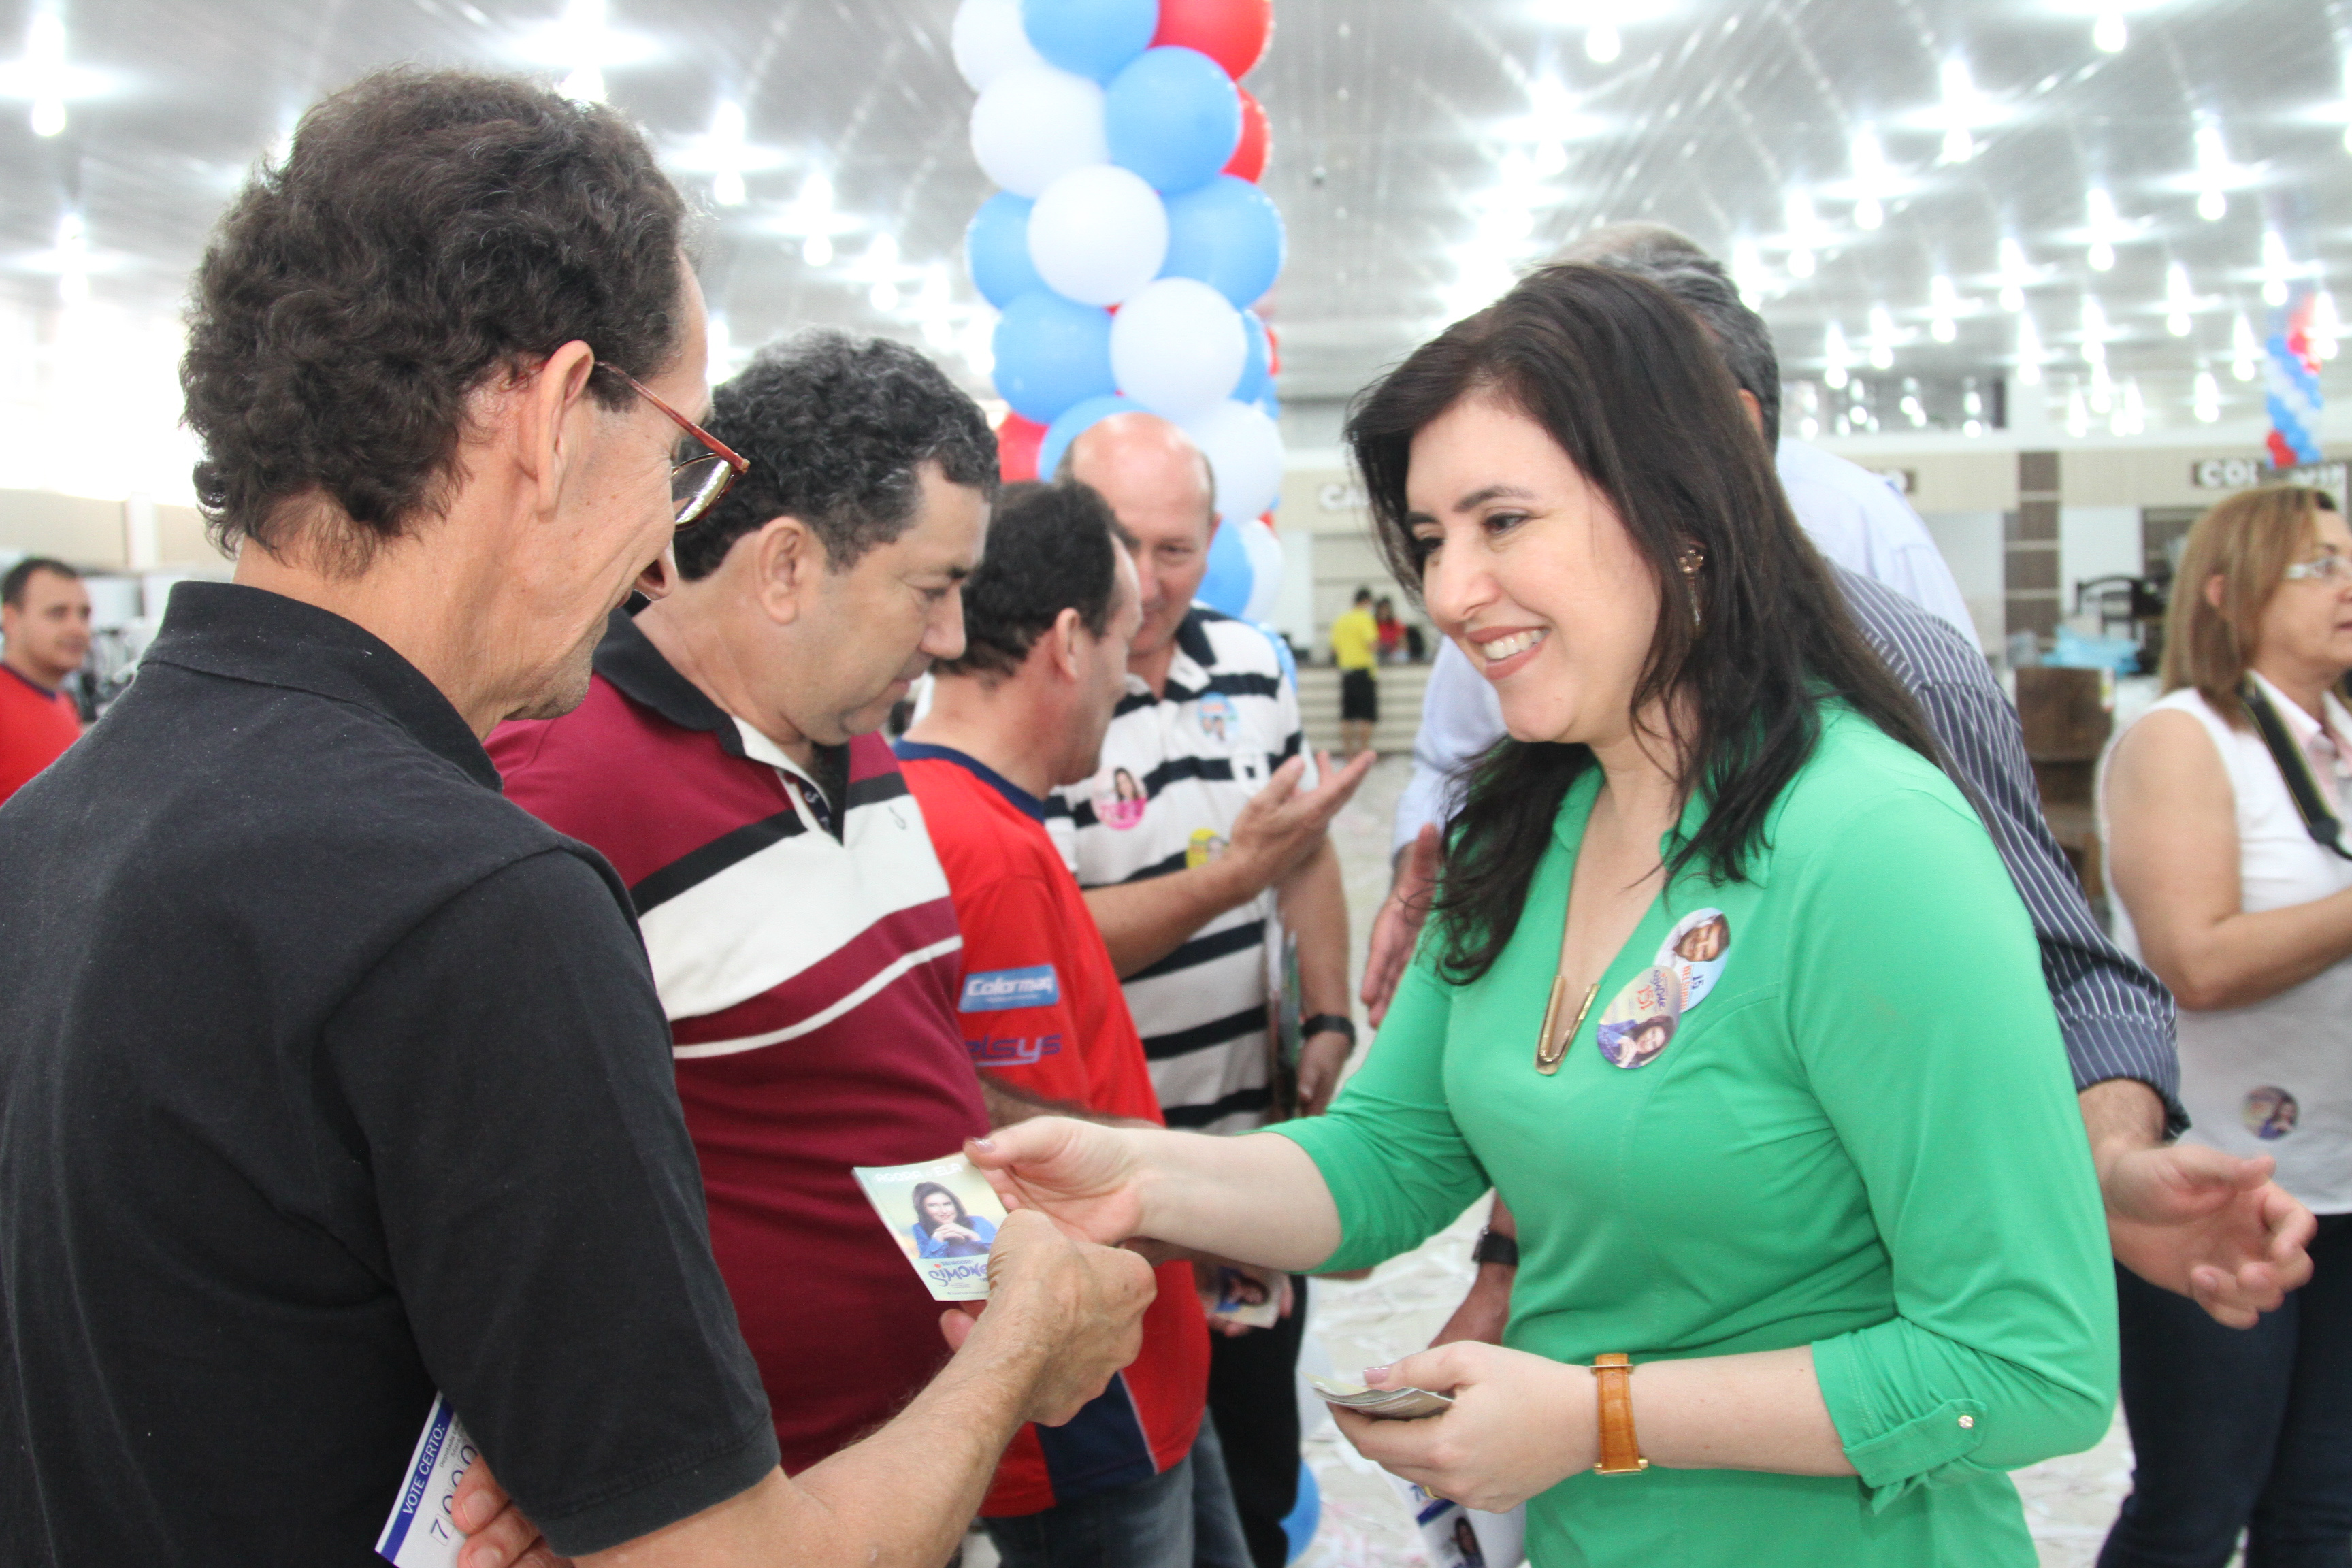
{"x":728,"y":761}
{"x":329,"y":1078}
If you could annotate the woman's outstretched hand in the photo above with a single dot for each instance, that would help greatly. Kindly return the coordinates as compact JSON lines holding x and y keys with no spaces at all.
{"x":1080,"y":1174}
{"x":1519,"y":1424}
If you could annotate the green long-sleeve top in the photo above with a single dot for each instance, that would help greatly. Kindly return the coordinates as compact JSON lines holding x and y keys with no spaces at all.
{"x":1861,"y":1137}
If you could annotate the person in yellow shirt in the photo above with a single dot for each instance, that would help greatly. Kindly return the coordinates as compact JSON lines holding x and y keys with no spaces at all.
{"x":1356,"y":649}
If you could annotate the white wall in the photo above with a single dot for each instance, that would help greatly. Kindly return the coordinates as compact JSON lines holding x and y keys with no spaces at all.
{"x":1293,"y":601}
{"x":2095,"y":541}
{"x":1970,"y":544}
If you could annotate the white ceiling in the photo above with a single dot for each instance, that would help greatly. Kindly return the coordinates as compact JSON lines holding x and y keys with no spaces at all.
{"x":1421,"y":150}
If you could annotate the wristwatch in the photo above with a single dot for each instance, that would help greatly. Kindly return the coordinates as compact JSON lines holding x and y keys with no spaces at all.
{"x":1494,"y":1247}
{"x":1327,"y":1024}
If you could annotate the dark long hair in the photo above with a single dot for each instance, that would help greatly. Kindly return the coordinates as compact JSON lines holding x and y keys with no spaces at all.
{"x":1628,"y":384}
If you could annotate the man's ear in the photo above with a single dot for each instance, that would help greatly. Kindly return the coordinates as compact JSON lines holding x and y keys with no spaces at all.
{"x":1067,"y":633}
{"x":786,"y":559}
{"x":542,"y":414}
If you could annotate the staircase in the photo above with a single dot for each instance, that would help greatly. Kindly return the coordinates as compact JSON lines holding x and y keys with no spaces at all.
{"x":1402,"y":685}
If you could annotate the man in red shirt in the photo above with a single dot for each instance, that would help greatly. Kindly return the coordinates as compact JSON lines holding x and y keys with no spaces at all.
{"x":45,"y":616}
{"x":1137,"y":1479}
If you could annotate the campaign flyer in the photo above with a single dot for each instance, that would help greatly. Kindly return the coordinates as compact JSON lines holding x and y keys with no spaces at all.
{"x":943,"y":1214}
{"x":420,"y":1533}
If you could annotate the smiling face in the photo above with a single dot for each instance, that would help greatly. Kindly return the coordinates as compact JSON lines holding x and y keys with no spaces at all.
{"x":2307,"y":625}
{"x":939,"y":1208}
{"x":1527,"y":566}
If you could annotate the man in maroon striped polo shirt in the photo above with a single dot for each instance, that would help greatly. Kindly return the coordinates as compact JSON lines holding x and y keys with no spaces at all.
{"x":727,"y":761}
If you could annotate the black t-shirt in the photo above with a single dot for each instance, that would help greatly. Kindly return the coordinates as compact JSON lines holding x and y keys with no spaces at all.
{"x":328,"y":1078}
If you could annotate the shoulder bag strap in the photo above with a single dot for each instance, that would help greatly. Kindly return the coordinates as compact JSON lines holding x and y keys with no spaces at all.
{"x":2295,"y":767}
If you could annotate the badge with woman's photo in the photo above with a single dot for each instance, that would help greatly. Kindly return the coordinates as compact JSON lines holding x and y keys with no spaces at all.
{"x":1216,"y":713}
{"x":1695,"y":950}
{"x":1642,"y":1019}
{"x":2270,"y":1113}
{"x":943,"y":1214}
{"x":1121,"y":805}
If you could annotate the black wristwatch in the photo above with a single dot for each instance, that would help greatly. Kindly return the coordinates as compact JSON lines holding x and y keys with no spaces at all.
{"x":1327,"y":1024}
{"x":1494,"y":1247}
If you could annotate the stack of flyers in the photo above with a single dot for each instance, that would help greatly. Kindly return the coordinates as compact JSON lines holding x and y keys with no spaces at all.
{"x":1382,"y":1404}
{"x":943,"y":1214}
{"x":1246,"y":1297}
{"x":420,"y":1532}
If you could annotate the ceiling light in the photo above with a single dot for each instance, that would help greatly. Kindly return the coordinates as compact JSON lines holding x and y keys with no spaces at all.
{"x":2243,"y":348}
{"x":884,"y":295}
{"x":2028,"y":353}
{"x":727,"y":188}
{"x":882,"y":256}
{"x":1868,"y":214}
{"x":2102,"y":390}
{"x":2208,"y":399}
{"x":2078,"y":420}
{"x":1834,"y":350}
{"x":1882,"y":338}
{"x":1958,"y":145}
{"x":2177,"y":298}
{"x":1602,"y":43}
{"x":2212,"y":171}
{"x":2109,"y":34}
{"x":1944,"y":299}
{"x":2324,"y":328}
{"x":1748,"y":272}
{"x":586,"y":85}
{"x":1551,"y":158}
{"x":1801,"y":263}
{"x":2213,"y":205}
{"x":817,"y":250}
{"x":2131,"y":418}
{"x":2100,"y":255}
{"x":48,"y":117}
{"x":2095,"y":330}
{"x":2275,"y":267}
{"x":2014,"y":275}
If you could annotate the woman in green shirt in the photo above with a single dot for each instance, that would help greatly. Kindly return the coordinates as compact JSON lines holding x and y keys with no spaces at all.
{"x":1727,"y":994}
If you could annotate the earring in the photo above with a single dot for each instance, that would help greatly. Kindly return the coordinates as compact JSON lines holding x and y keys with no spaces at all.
{"x":1692,"y":560}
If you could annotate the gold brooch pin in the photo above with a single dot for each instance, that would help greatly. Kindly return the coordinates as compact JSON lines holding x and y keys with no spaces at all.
{"x":1551,"y":1045}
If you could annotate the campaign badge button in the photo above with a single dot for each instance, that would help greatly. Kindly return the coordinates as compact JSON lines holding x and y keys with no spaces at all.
{"x":1642,"y":1019}
{"x":1695,"y":950}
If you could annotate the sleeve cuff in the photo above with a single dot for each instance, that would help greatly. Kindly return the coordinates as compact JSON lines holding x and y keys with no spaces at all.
{"x":1315,"y":1134}
{"x":1894,"y":1455}
{"x":681,"y":1490}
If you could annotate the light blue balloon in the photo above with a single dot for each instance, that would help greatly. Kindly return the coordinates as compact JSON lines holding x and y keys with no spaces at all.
{"x":1091,"y":37}
{"x":997,"y":247}
{"x":1299,"y":1530}
{"x":1228,"y":235}
{"x":1173,"y":116}
{"x":1226,"y":584}
{"x":1254,"y":383}
{"x":1051,"y":352}
{"x":1074,"y":421}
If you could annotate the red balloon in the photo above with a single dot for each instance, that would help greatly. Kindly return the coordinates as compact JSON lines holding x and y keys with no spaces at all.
{"x":1231,"y":32}
{"x":1249,"y":154}
{"x":1018,"y":440}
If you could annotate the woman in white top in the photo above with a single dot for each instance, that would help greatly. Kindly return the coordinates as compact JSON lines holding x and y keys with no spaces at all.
{"x":2234,"y":894}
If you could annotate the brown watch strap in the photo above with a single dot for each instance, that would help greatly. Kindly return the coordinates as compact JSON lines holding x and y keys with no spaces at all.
{"x":1612,"y":1379}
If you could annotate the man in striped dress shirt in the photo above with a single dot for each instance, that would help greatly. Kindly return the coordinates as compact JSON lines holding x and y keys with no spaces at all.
{"x":2193,"y":1220}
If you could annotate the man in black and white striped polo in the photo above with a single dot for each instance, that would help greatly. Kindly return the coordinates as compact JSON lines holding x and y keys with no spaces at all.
{"x":1200,"y":844}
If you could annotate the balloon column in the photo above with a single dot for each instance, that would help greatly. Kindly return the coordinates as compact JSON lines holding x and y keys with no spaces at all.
{"x":1129,"y":242}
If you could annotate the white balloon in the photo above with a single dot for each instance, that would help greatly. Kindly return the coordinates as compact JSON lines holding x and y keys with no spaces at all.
{"x":1099,"y":233}
{"x":1265,"y":552}
{"x":989,"y":40}
{"x":1244,"y":448}
{"x":1179,"y":348}
{"x":1034,"y":124}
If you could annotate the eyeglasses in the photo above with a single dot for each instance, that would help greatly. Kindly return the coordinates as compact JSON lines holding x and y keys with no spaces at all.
{"x":696,"y":484}
{"x":2326,"y":569}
